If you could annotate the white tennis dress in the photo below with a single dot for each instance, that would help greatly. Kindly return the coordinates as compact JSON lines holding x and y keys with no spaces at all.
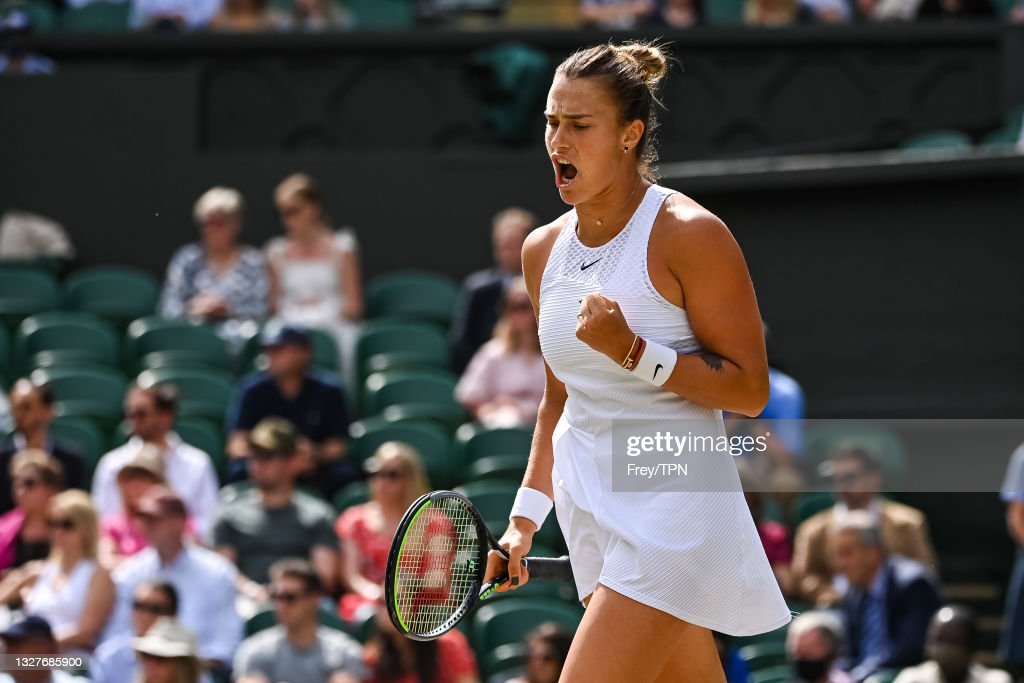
{"x":694,"y":554}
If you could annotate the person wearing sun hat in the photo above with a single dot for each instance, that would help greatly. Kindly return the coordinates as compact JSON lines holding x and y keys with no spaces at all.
{"x":167,"y":653}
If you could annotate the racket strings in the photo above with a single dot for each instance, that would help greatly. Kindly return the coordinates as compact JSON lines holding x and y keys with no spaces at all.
{"x":437,"y":566}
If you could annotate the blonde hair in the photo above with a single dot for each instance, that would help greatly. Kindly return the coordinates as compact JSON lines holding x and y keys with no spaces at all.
{"x":411,"y":461}
{"x":218,"y":200}
{"x":78,"y":507}
{"x":512,"y":339}
{"x":513,"y":216}
{"x":300,"y":185}
{"x":49,"y":469}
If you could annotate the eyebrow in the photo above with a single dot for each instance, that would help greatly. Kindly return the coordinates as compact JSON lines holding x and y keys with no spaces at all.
{"x":548,"y":115}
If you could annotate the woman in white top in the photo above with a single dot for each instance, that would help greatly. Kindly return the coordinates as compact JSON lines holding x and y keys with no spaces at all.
{"x":504,"y":383}
{"x":70,"y":589}
{"x":315,"y":277}
{"x":646,"y":314}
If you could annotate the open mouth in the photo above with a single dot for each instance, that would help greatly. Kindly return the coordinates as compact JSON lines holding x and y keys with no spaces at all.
{"x":565,"y":173}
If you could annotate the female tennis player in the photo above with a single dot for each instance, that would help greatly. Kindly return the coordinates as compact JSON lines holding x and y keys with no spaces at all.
{"x":646,"y":311}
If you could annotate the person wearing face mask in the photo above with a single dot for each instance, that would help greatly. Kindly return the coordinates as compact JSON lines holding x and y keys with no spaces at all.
{"x":813,"y":643}
{"x":950,"y":646}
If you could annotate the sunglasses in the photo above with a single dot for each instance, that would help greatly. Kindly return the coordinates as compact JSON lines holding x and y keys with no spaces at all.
{"x":138,"y":414}
{"x":154,"y":608}
{"x":391,"y":475}
{"x":60,"y":523}
{"x":286,"y":597}
{"x":26,"y":482}
{"x":289,"y":211}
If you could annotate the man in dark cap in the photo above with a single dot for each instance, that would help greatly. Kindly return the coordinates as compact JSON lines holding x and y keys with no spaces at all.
{"x":313,"y":402}
{"x":950,"y":648}
{"x":32,"y":637}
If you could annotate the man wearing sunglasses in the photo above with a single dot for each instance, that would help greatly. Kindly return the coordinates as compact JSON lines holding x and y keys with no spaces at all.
{"x":856,"y":481}
{"x":298,"y":649}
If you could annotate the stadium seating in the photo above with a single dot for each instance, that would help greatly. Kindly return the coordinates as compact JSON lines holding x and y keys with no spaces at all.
{"x":937,"y":139}
{"x":506,"y":621}
{"x":118,"y":293}
{"x":494,"y":500}
{"x":381,"y":13}
{"x":204,"y":435}
{"x":6,"y":359}
{"x":92,"y":392}
{"x":265,"y":619}
{"x":84,"y":435}
{"x":203,"y":392}
{"x":97,"y":17}
{"x":759,"y":656}
{"x":428,"y":439}
{"x":493,"y":453}
{"x":387,"y":345}
{"x":26,"y":291}
{"x":42,"y":13}
{"x":150,"y":334}
{"x":412,"y":295}
{"x":887,"y":676}
{"x":775,"y":674}
{"x":353,"y":494}
{"x":84,"y":336}
{"x":383,"y":389}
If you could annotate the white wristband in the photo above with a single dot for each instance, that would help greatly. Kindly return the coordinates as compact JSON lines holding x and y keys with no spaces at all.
{"x":532,"y":504}
{"x":656,"y":363}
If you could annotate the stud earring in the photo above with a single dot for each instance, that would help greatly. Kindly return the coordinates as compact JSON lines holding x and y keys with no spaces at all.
{"x":625,"y":150}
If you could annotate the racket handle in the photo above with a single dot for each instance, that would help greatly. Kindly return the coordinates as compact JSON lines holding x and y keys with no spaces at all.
{"x":549,"y":568}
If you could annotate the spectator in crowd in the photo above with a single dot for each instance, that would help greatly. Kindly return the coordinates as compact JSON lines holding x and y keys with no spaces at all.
{"x":397,"y":478}
{"x":776,"y":13}
{"x":6,"y":420}
{"x":272,"y":521}
{"x":616,"y":14}
{"x":172,"y":15}
{"x":298,"y":649}
{"x":857,"y":479}
{"x":393,"y":657}
{"x":681,"y":13}
{"x":886,"y":600}
{"x":1011,"y":644}
{"x":774,"y":536}
{"x":248,"y":16}
{"x":121,"y":533}
{"x":24,"y":533}
{"x":168,"y":653}
{"x":887,"y":10}
{"x":547,"y":647}
{"x":217,"y":280}
{"x":71,"y":590}
{"x":311,"y":402}
{"x":32,"y":637}
{"x":205,"y":582}
{"x":32,"y":407}
{"x":16,"y":28}
{"x":951,"y":645}
{"x":956,"y":9}
{"x":114,"y":661}
{"x":151,"y":412}
{"x":814,"y":642}
{"x":477,"y":310}
{"x":26,"y":236}
{"x":315,"y":276}
{"x":504,"y":382}
{"x":314,"y":16}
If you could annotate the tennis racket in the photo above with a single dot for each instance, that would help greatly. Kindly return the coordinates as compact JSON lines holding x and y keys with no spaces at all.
{"x":436,"y":565}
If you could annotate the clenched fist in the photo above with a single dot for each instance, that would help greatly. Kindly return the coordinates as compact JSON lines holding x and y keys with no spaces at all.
{"x":601,"y":326}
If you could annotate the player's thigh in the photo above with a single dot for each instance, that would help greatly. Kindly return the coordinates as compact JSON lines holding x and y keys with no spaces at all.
{"x":621,"y":639}
{"x":696,"y":660}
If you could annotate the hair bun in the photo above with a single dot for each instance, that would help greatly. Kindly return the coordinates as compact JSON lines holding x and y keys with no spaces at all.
{"x":649,"y":57}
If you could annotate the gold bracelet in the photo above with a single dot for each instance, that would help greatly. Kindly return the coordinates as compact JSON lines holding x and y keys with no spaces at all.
{"x":632,"y":347}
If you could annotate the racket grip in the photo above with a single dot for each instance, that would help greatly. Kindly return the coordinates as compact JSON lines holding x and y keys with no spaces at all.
{"x":549,"y":568}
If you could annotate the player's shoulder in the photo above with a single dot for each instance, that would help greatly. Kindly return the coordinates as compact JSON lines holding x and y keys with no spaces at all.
{"x":541,"y":239}
{"x":683,"y":218}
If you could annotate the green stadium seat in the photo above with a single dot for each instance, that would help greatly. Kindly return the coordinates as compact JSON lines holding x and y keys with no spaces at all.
{"x":26,"y":291}
{"x":87,"y":337}
{"x":85,"y":435}
{"x":1009,"y":132}
{"x":265,"y":619}
{"x":937,"y":139}
{"x":97,"y":17}
{"x":811,"y":503}
{"x":822,"y":437}
{"x":383,"y":389}
{"x":775,"y":674}
{"x":887,"y":676}
{"x":6,"y":357}
{"x":203,"y":392}
{"x":494,"y":501}
{"x":764,"y":655}
{"x":325,"y":351}
{"x":177,"y":358}
{"x":43,"y":14}
{"x":412,"y":295}
{"x":504,"y":657}
{"x":407,"y":343}
{"x":448,"y":416}
{"x":724,"y":12}
{"x":92,"y":392}
{"x":506,"y":621}
{"x":151,"y":334}
{"x":776,"y":636}
{"x":118,"y":293}
{"x":429,"y":440}
{"x":493,"y":453}
{"x":356,"y":493}
{"x":380,"y":14}
{"x":205,"y":435}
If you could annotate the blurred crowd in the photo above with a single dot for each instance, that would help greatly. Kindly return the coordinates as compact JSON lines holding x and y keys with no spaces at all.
{"x":161,"y":566}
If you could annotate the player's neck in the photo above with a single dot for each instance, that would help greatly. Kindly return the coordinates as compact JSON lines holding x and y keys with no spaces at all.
{"x":601,"y":218}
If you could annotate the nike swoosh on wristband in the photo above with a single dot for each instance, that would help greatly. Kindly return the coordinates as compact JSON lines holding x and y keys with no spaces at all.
{"x":657,"y":367}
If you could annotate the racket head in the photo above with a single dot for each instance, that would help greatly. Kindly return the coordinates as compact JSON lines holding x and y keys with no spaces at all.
{"x":436,"y":565}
